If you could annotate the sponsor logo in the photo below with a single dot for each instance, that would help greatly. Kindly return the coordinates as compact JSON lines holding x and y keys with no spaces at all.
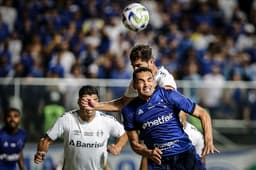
{"x":160,"y":120}
{"x":85,"y":145}
{"x":162,"y":74}
{"x":167,"y":145}
{"x":88,"y":133}
{"x":99,"y":133}
{"x":140,"y":112}
{"x":76,"y":132}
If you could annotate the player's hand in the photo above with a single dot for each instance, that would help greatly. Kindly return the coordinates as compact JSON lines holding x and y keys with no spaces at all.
{"x":209,"y":148}
{"x":39,"y":157}
{"x":155,"y":155}
{"x":87,"y":104}
{"x":42,"y":149}
{"x":114,"y":149}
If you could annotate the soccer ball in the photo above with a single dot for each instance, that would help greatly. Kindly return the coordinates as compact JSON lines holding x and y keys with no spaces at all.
{"x":135,"y":17}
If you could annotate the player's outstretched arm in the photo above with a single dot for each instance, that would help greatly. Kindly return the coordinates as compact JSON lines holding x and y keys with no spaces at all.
{"x":205,"y":118}
{"x":116,"y":148}
{"x":114,"y":105}
{"x":42,"y":149}
{"x":154,"y":154}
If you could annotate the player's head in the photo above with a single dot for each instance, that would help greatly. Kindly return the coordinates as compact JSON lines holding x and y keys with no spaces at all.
{"x":12,"y":118}
{"x":141,"y":56}
{"x":88,"y":92}
{"x":143,"y":82}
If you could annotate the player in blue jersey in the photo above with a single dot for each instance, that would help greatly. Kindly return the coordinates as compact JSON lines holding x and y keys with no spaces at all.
{"x":12,"y":141}
{"x":153,"y":117}
{"x":140,"y":56}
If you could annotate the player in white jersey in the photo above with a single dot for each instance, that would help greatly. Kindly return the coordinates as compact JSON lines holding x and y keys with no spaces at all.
{"x":85,"y":134}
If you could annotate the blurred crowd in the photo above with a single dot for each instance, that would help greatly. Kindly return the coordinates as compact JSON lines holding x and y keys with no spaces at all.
{"x":197,"y":40}
{"x":42,"y":38}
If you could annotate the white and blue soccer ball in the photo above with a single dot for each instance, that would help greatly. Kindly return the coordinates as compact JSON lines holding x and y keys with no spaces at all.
{"x":135,"y":17}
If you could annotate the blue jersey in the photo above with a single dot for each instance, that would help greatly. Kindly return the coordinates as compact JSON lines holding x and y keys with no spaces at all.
{"x":10,"y":147}
{"x":158,"y":120}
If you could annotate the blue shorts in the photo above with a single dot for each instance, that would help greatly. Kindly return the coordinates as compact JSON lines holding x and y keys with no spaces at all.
{"x":187,"y":160}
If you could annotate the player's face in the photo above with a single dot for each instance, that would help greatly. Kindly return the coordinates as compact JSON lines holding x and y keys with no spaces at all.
{"x":145,"y":84}
{"x":139,"y":63}
{"x":12,"y":120}
{"x":84,"y":112}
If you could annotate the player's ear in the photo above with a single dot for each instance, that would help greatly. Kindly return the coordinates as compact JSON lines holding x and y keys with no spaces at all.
{"x":151,"y":61}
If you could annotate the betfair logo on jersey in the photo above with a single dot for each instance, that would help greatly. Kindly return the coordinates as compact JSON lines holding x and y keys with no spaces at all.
{"x":160,"y":120}
{"x":85,"y":145}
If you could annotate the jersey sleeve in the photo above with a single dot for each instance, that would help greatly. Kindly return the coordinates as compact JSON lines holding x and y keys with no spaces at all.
{"x":180,"y":101}
{"x":117,"y":129}
{"x":128,"y":116}
{"x":57,"y":129}
{"x":164,"y":78}
{"x":130,"y":91}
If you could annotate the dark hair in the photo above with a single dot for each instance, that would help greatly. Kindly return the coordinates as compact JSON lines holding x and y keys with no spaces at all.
{"x":139,"y":70}
{"x":89,"y":90}
{"x":143,"y":52}
{"x":11,"y":109}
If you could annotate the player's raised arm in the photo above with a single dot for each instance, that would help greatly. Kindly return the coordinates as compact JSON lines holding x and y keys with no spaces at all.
{"x":114,"y":105}
{"x":205,"y":118}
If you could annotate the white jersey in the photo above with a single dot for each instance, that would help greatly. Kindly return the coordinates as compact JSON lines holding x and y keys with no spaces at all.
{"x":85,"y":143}
{"x":162,"y":78}
{"x":195,"y":136}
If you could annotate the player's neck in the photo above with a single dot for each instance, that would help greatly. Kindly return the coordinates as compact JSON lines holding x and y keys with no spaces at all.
{"x":145,"y":98}
{"x":86,"y":118}
{"x":11,"y":130}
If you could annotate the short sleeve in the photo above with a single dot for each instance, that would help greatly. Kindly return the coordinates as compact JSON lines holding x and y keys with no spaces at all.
{"x":57,"y":129}
{"x":128,"y":116}
{"x":117,"y":128}
{"x":164,"y":78}
{"x":180,"y":101}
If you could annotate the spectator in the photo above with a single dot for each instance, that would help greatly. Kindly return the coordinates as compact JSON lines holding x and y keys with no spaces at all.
{"x":211,"y":93}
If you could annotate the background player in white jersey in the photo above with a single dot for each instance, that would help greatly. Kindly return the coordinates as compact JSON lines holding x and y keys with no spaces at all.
{"x":85,"y":134}
{"x":155,"y":115}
